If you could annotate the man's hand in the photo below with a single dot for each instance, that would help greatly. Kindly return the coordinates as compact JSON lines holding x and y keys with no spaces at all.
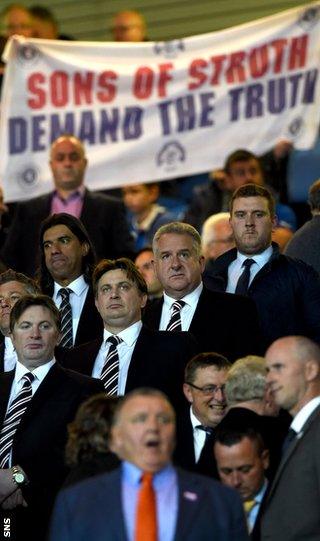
{"x":7,"y":484}
{"x":14,"y":500}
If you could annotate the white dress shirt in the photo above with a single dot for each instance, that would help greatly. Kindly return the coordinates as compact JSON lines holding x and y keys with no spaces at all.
{"x":10,"y":355}
{"x":187,"y":311}
{"x":79,"y":288}
{"x":199,"y":435}
{"x":303,"y":415}
{"x":235,"y":268}
{"x":125,"y":350}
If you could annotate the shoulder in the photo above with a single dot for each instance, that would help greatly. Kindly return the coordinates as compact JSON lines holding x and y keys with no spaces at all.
{"x":102,"y":200}
{"x":216,"y":490}
{"x":93,"y":485}
{"x":80,"y":381}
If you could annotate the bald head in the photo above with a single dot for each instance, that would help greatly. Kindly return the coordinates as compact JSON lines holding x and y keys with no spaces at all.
{"x":293,"y":366}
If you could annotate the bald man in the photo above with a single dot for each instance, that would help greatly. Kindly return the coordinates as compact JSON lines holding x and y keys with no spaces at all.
{"x":292,"y":507}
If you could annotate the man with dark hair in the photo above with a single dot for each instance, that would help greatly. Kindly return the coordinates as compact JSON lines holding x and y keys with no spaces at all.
{"x":66,"y":263}
{"x":242,"y":461}
{"x":38,"y":400}
{"x":204,"y":380}
{"x":146,"y":498}
{"x":305,"y":243}
{"x":102,"y":216}
{"x":226,"y":324}
{"x":286,"y":291}
{"x":130,"y":354}
{"x":13,"y":286}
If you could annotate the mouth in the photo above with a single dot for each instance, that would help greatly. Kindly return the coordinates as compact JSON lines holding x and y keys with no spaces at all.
{"x":152,"y":443}
{"x":218,"y":407}
{"x":114,"y":305}
{"x":34,"y":346}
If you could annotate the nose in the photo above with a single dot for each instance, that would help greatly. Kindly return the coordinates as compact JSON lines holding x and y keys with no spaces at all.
{"x":175,"y":262}
{"x":220,"y":395}
{"x":235,"y":479}
{"x":35,"y":331}
{"x":114,"y":292}
{"x":249,"y":219}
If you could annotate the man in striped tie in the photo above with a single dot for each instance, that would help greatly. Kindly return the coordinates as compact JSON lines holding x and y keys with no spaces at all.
{"x":38,"y":400}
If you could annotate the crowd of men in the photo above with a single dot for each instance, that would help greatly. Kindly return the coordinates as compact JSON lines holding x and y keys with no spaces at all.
{"x":211,"y":342}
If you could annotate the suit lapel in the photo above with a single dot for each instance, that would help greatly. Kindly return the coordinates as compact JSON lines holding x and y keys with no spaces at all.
{"x":2,"y":350}
{"x":191,"y":496}
{"x":291,"y":449}
{"x":6,"y":383}
{"x":154,"y":314}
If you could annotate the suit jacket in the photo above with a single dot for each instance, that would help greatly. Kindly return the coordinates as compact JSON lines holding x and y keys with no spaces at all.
{"x":225,"y":323}
{"x":90,"y":323}
{"x":39,"y":442}
{"x":184,"y":455}
{"x":93,"y":510}
{"x":286,"y":292}
{"x":103,"y":217}
{"x":158,"y":360}
{"x":291,"y":510}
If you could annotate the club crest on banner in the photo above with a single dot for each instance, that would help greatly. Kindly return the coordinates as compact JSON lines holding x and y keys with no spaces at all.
{"x":171,"y":155}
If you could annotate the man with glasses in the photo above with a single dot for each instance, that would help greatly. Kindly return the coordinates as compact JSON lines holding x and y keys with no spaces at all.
{"x":205,"y":377}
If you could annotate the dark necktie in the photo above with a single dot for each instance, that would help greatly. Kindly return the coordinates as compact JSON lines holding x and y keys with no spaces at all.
{"x":206,"y":463}
{"x":66,"y":318}
{"x":175,"y":321}
{"x":291,"y":435}
{"x":207,"y":429}
{"x":244,"y":279}
{"x":146,"y":515}
{"x":13,"y":417}
{"x":110,"y":370}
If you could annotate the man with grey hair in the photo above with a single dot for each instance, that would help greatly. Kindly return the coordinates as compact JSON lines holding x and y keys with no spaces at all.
{"x":251,"y":405}
{"x":220,"y":322}
{"x":305,"y":243}
{"x":13,"y":286}
{"x":147,"y":498}
{"x":216,"y":235}
{"x":291,"y":511}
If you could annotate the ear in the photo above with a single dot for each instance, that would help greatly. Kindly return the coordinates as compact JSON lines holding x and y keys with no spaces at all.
{"x":187,"y":392}
{"x":85,"y":248}
{"x":311,"y":370}
{"x":202,"y":263}
{"x":144,"y":299}
{"x":274,"y":222}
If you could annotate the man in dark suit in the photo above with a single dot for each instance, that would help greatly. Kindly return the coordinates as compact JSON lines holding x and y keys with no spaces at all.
{"x":67,"y":261}
{"x":204,"y":381}
{"x":182,"y":506}
{"x":242,"y":460}
{"x":291,"y":510}
{"x":277,"y":283}
{"x":32,"y":448}
{"x":102,"y":216}
{"x":13,"y":286}
{"x":144,"y":357}
{"x":220,"y":322}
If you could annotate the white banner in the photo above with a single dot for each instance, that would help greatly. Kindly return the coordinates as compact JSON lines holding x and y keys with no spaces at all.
{"x":154,"y":111}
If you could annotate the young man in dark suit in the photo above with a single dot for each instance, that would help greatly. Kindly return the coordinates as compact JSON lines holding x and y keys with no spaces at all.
{"x":219,"y":322}
{"x":37,"y":401}
{"x":66,"y":262}
{"x":144,"y":356}
{"x":147,"y":498}
{"x":103,"y":216}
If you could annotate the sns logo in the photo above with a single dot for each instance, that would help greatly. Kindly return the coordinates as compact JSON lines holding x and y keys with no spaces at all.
{"x":6,"y":527}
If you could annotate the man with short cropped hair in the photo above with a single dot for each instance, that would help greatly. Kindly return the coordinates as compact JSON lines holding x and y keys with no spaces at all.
{"x":286,"y":291}
{"x":204,"y":383}
{"x":102,"y":216}
{"x":146,"y":498}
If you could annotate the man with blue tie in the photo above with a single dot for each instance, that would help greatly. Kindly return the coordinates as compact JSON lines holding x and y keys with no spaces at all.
{"x":147,"y":499}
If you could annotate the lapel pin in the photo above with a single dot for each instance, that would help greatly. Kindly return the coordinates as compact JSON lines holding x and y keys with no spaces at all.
{"x":191,"y":496}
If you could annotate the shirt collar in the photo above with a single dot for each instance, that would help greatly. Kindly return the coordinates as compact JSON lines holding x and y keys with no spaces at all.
{"x":132,"y":474}
{"x":128,"y":335}
{"x":145,"y":224}
{"x":304,"y":414}
{"x":194,"y":421}
{"x":191,"y":298}
{"x":39,"y":373}
{"x":260,"y":259}
{"x":8,"y":344}
{"x":77,"y":286}
{"x":258,"y":497}
{"x":78,"y":193}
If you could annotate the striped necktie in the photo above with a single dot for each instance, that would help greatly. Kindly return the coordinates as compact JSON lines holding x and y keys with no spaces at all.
{"x":66,"y":318}
{"x":175,"y":321}
{"x":244,"y":279}
{"x":110,"y":370}
{"x":13,"y":417}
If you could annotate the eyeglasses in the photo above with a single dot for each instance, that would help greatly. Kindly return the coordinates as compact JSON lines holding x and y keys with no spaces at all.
{"x":208,"y":389}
